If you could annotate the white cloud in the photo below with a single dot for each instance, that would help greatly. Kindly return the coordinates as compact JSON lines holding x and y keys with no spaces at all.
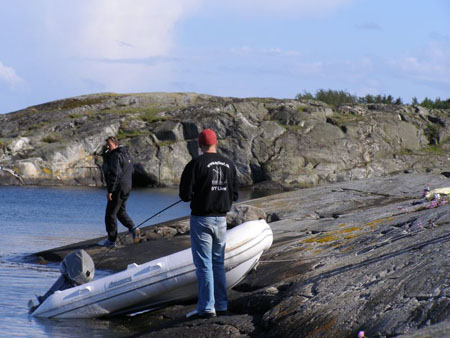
{"x":430,"y":65}
{"x":126,"y":45}
{"x":115,"y":29}
{"x":126,"y":77}
{"x":113,"y":45}
{"x":8,"y":75}
{"x":255,"y":52}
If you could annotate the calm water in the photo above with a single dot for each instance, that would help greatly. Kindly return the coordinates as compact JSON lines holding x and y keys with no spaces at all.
{"x":36,"y":218}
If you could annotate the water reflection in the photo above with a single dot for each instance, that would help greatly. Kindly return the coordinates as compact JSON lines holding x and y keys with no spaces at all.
{"x":81,"y":328}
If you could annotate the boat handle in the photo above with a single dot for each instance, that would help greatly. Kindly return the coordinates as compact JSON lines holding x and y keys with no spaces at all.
{"x":79,"y":292}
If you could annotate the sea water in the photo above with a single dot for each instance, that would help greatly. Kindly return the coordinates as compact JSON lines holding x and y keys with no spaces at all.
{"x":33,"y":219}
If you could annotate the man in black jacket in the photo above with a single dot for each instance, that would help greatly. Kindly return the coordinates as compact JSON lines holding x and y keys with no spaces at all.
{"x":118,"y":170}
{"x":210,"y":183}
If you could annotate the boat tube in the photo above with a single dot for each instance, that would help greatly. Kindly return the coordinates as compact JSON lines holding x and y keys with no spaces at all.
{"x":157,"y":283}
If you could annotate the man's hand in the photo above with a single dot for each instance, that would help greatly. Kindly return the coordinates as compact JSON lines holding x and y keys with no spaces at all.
{"x":109,"y":196}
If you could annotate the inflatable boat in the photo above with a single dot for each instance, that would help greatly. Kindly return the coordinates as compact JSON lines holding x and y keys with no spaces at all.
{"x":157,"y":283}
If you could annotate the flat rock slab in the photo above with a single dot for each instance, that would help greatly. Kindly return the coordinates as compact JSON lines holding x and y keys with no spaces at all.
{"x":156,"y":241}
{"x":346,"y":257}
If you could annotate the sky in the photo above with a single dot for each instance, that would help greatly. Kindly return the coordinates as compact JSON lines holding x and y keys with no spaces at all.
{"x":55,"y":49}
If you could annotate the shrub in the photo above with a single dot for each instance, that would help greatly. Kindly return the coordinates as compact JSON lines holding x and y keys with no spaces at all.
{"x":332,"y":97}
{"x":341,"y":97}
{"x":432,"y":134}
{"x":437,"y":104}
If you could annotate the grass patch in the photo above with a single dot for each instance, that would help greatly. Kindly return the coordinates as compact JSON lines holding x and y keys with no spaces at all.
{"x":340,"y":119}
{"x":51,"y":138}
{"x":129,"y":134}
{"x":68,"y":104}
{"x":151,"y":115}
{"x":268,"y":100}
{"x":38,"y":125}
{"x":75,"y":116}
{"x":166,"y":143}
{"x":435,"y":149}
{"x":76,"y":103}
{"x":147,"y":114}
{"x":122,"y":111}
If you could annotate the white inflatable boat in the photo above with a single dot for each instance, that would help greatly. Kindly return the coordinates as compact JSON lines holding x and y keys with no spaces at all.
{"x":159,"y":282}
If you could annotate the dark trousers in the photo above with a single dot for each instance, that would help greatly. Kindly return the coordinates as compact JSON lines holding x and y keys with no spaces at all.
{"x":116,"y":209}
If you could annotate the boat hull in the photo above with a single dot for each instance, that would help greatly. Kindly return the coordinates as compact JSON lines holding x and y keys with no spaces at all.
{"x":159,"y":282}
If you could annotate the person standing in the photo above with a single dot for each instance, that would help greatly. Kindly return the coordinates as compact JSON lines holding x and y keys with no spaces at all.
{"x":118,"y":170}
{"x":211,"y":184}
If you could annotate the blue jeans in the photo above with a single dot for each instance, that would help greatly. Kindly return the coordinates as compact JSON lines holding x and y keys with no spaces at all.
{"x":208,"y":239}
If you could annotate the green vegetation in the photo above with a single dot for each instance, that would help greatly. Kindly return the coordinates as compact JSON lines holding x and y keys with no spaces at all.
{"x":75,"y":116}
{"x":128,"y":134}
{"x":166,"y":143}
{"x":150,"y":115}
{"x":68,"y":104}
{"x":38,"y":125}
{"x":435,"y":149}
{"x":432,"y":134}
{"x":341,"y":119}
{"x":75,"y":103}
{"x":436,"y":104}
{"x":340,"y":97}
{"x":386,"y":99}
{"x":51,"y":138}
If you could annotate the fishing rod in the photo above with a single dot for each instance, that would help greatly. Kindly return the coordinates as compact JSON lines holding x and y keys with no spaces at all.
{"x":158,"y":213}
{"x":137,"y":226}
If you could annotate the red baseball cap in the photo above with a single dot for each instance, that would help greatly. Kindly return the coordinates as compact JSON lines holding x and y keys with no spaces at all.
{"x":207,"y":137}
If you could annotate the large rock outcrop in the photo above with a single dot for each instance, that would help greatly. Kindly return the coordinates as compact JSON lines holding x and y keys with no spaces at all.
{"x":290,"y":142}
{"x":346,"y":257}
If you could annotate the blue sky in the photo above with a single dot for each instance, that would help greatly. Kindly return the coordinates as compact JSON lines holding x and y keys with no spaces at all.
{"x":54,"y":49}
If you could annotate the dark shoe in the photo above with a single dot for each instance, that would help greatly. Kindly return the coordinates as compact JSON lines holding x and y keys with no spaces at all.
{"x":106,"y":242}
{"x":222,"y":313}
{"x":203,"y":315}
{"x":136,"y":235}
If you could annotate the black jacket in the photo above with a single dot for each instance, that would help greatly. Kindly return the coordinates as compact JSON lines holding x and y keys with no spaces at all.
{"x":210,"y":182}
{"x":118,"y":169}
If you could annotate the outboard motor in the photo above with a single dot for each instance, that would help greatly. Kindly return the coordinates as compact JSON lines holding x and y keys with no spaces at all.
{"x":76,"y":268}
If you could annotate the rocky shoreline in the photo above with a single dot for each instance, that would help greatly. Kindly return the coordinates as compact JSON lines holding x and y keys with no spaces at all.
{"x":352,"y":248}
{"x":287,"y":144}
{"x":348,"y":256}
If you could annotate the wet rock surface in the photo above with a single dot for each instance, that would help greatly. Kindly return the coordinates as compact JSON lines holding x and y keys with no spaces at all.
{"x":361,"y":255}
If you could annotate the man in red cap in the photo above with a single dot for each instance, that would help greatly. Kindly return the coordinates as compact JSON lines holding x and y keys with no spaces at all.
{"x":210,"y":183}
